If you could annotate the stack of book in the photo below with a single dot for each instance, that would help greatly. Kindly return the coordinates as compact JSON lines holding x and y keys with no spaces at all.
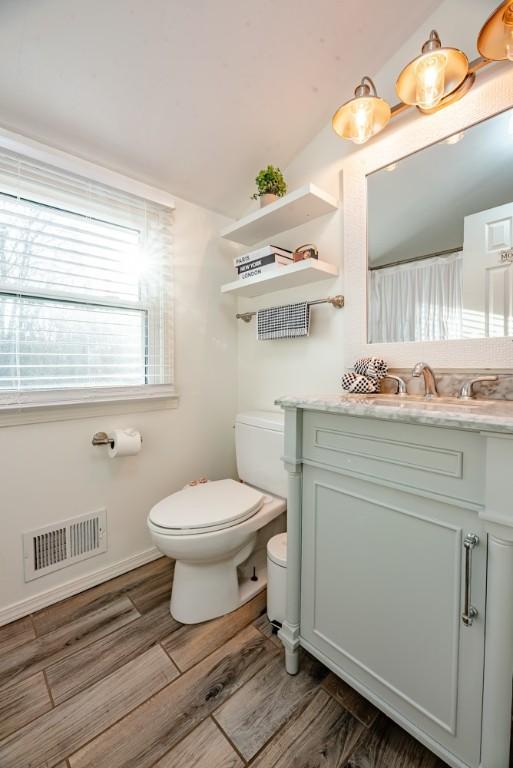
{"x":263,"y":261}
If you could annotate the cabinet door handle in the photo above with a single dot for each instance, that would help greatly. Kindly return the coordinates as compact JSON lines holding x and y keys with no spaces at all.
{"x":469,"y":611}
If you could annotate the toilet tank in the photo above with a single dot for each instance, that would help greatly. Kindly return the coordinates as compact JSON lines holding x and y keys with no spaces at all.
{"x":259,"y":450}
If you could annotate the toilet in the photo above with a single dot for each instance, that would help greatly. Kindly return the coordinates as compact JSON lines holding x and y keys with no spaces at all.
{"x":211,"y":529}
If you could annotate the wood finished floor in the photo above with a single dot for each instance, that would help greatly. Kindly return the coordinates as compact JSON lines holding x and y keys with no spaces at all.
{"x":108,"y":679}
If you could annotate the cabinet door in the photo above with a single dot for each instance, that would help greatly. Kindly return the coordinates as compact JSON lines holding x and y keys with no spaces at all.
{"x":382,"y":584}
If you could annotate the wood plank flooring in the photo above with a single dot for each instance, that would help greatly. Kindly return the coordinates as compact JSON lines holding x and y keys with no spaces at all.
{"x":256,"y":712}
{"x":97,"y":660}
{"x":108,"y":679}
{"x":27,"y":659}
{"x":16,"y":633}
{"x":204,"y":747}
{"x":23,"y":702}
{"x":190,"y":644}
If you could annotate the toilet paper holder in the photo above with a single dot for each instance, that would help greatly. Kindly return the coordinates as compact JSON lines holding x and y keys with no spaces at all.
{"x":102,"y":438}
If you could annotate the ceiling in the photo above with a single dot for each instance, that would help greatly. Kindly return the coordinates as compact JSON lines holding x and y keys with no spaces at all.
{"x":194,"y":97}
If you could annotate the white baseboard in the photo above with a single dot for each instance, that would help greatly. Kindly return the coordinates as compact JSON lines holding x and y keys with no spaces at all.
{"x":43,"y":599}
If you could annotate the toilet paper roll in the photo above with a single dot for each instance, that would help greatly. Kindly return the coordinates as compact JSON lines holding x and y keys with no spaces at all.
{"x":124,"y":442}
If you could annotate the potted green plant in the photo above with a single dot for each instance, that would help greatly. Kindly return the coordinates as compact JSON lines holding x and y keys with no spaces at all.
{"x":270,"y":184}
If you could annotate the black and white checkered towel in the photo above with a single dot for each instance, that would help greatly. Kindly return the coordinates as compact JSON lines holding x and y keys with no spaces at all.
{"x":358,"y":384}
{"x":373,"y":367}
{"x":366,"y":377}
{"x":285,"y":322}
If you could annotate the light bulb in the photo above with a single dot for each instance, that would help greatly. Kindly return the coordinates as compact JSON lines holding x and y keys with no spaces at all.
{"x":363,"y":116}
{"x":430,"y":80}
{"x":361,"y":123}
{"x":495,"y":41}
{"x":508,"y":32}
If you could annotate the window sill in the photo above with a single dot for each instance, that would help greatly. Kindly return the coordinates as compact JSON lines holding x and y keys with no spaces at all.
{"x":65,"y":405}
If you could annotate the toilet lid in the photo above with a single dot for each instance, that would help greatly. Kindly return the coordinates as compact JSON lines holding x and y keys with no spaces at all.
{"x":215,"y":505}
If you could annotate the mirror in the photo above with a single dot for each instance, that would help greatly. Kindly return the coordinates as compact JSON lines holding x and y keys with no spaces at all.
{"x":440,"y":239}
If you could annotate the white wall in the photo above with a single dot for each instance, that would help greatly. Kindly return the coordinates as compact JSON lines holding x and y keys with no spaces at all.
{"x":306,"y":366}
{"x":50,"y":471}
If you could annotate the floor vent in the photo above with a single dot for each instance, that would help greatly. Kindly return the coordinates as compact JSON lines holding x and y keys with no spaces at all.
{"x":56,"y":546}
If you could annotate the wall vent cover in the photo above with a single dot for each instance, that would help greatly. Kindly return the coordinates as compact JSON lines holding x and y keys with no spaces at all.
{"x":56,"y":546}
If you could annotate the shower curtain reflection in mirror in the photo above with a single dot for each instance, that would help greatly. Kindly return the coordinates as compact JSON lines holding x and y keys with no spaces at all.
{"x":417,"y":301}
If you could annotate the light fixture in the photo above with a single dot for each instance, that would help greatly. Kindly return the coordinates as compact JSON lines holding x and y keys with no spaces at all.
{"x":364,"y":116}
{"x":433,"y":75}
{"x":391,"y":167}
{"x":438,"y":77}
{"x":495,"y":41}
{"x":455,"y":138}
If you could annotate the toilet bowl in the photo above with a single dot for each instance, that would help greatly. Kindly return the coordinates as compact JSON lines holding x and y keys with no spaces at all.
{"x":211,"y":529}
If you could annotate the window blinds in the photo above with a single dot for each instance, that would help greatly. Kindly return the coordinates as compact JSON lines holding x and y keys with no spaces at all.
{"x":85,"y":286}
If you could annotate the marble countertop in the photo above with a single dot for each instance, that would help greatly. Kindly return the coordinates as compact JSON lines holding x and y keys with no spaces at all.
{"x":477,"y":415}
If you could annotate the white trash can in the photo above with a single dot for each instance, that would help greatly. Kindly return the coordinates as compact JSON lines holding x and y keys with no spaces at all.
{"x":277,"y":578}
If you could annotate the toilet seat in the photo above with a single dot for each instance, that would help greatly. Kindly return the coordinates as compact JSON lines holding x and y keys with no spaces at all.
{"x":206,"y":507}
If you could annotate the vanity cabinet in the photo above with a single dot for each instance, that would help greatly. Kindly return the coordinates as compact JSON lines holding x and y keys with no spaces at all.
{"x":383,"y":577}
{"x":388,"y":555}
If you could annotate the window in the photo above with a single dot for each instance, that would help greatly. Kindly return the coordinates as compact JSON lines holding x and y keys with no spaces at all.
{"x":85,"y":288}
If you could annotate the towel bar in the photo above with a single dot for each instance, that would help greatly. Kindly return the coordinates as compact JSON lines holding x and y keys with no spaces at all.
{"x":335,"y":301}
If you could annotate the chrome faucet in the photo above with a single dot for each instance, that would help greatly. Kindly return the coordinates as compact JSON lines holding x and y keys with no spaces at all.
{"x":401,"y":384}
{"x":429,"y":378}
{"x":467,"y":390}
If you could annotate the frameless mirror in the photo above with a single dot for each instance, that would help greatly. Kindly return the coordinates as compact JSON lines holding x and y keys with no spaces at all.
{"x":440,"y":247}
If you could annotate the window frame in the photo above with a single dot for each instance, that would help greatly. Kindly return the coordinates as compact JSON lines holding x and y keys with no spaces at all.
{"x":56,"y":398}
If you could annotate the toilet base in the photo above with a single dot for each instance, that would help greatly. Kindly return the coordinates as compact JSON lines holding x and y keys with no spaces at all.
{"x":204,"y":591}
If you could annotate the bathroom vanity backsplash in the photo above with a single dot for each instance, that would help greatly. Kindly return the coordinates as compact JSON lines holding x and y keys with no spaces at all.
{"x":450,"y":382}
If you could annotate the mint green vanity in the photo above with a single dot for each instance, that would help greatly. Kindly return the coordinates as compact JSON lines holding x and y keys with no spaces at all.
{"x":400,"y":562}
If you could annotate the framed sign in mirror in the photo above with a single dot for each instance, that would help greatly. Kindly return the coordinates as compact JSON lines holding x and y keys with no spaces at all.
{"x":428,"y":236}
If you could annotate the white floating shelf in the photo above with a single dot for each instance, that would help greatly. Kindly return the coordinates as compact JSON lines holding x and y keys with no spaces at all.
{"x":298,"y":207}
{"x":300,"y":273}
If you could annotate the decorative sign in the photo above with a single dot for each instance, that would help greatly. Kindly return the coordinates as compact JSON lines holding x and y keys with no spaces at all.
{"x":506,"y":256}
